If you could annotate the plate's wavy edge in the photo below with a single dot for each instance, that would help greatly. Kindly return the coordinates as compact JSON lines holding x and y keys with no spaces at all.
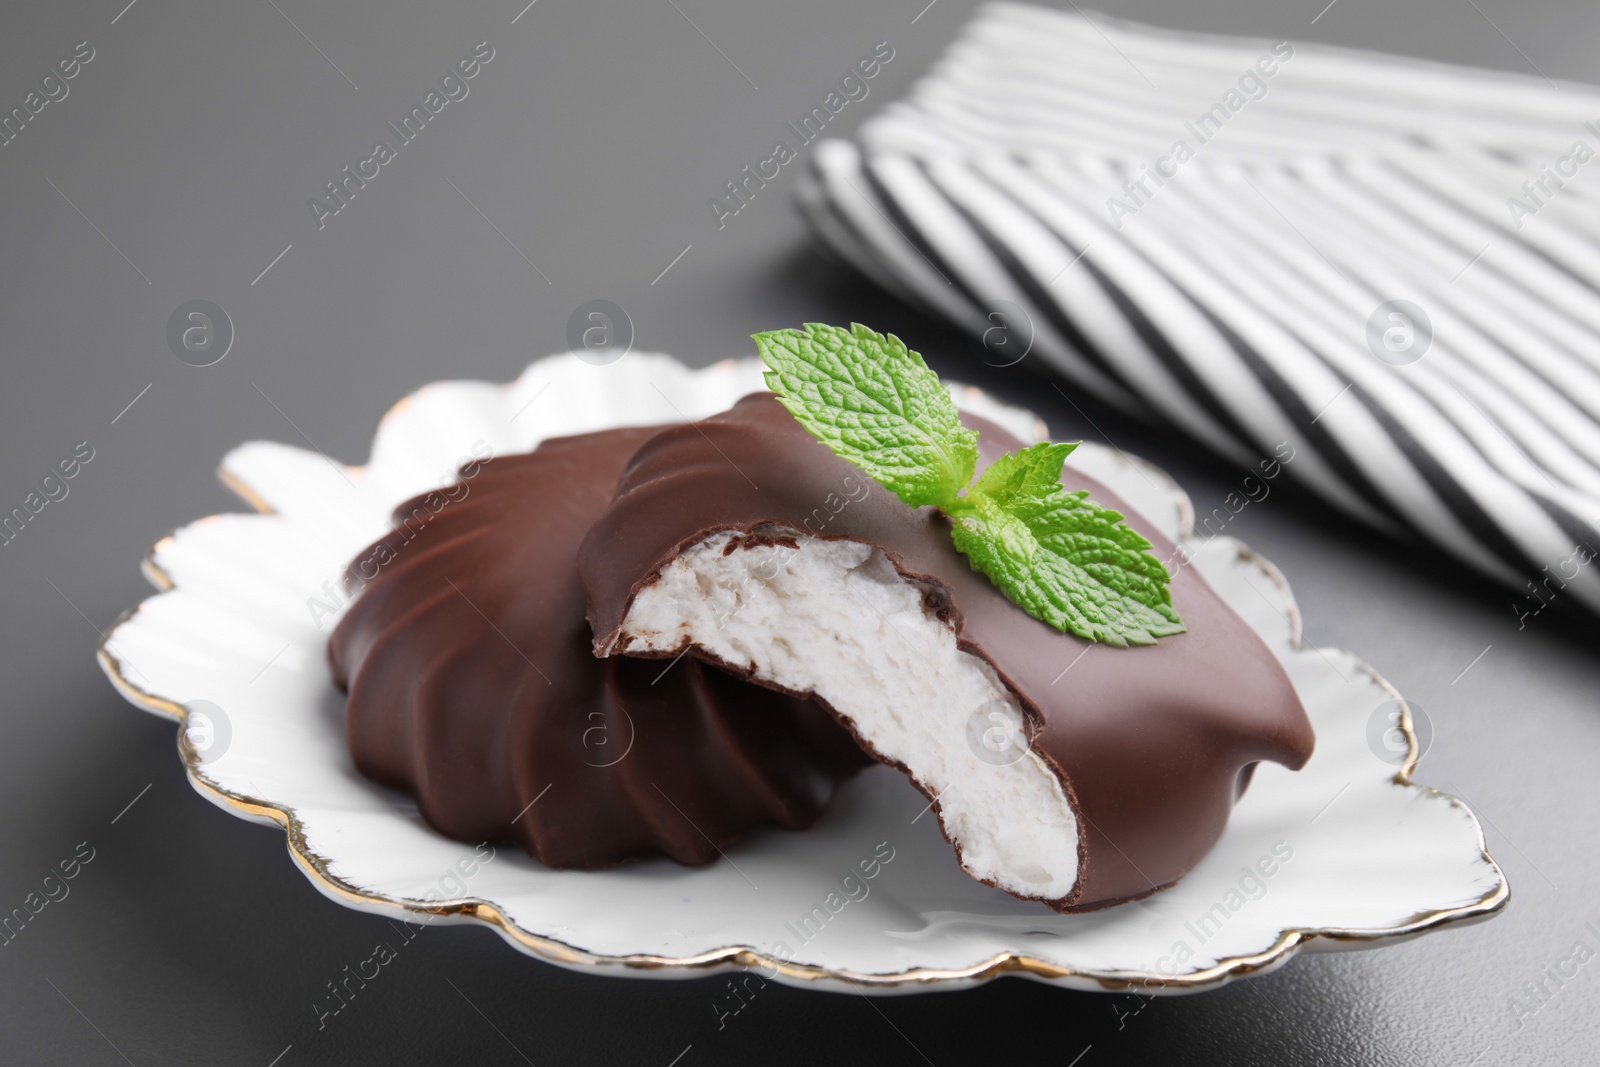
{"x":552,"y":950}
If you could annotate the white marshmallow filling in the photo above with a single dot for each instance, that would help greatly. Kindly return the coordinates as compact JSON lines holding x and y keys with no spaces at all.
{"x":835,"y":619}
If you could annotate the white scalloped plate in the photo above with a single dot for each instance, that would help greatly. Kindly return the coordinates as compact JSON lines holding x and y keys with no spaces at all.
{"x":1371,"y":856}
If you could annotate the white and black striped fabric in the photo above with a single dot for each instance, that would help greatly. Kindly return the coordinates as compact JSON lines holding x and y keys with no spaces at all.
{"x":1238,"y":288}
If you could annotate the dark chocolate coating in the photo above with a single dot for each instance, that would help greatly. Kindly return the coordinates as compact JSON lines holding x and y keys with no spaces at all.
{"x":472,"y":685}
{"x":1153,"y":742}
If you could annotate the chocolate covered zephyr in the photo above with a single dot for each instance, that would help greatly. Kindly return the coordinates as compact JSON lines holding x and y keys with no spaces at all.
{"x":1062,"y":770}
{"x":472,"y":686}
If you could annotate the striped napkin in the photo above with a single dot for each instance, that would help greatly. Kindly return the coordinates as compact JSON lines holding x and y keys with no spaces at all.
{"x":1376,"y":276}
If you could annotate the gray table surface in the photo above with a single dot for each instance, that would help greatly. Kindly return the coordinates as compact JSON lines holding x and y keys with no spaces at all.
{"x":180,"y":164}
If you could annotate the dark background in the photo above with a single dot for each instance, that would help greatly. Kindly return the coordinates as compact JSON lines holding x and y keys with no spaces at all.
{"x":192,"y":143}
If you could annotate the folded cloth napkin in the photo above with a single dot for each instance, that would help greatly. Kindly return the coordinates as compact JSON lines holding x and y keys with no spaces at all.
{"x":1384,"y":269}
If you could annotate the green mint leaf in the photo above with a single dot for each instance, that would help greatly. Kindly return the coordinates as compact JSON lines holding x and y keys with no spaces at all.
{"x":1059,"y":556}
{"x":874,"y":402}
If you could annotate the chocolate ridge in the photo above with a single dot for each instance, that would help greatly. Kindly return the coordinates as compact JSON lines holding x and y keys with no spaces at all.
{"x":466,"y":657}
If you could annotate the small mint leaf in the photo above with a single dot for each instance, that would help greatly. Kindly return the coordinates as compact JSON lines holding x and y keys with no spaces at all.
{"x":874,"y":402}
{"x":1064,"y":559}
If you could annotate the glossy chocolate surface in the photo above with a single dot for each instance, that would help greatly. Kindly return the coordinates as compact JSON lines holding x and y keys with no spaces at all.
{"x":1154,"y":742}
{"x":473,"y":687}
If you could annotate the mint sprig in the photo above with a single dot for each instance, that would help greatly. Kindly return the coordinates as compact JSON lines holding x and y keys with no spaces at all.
{"x":1059,"y":556}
